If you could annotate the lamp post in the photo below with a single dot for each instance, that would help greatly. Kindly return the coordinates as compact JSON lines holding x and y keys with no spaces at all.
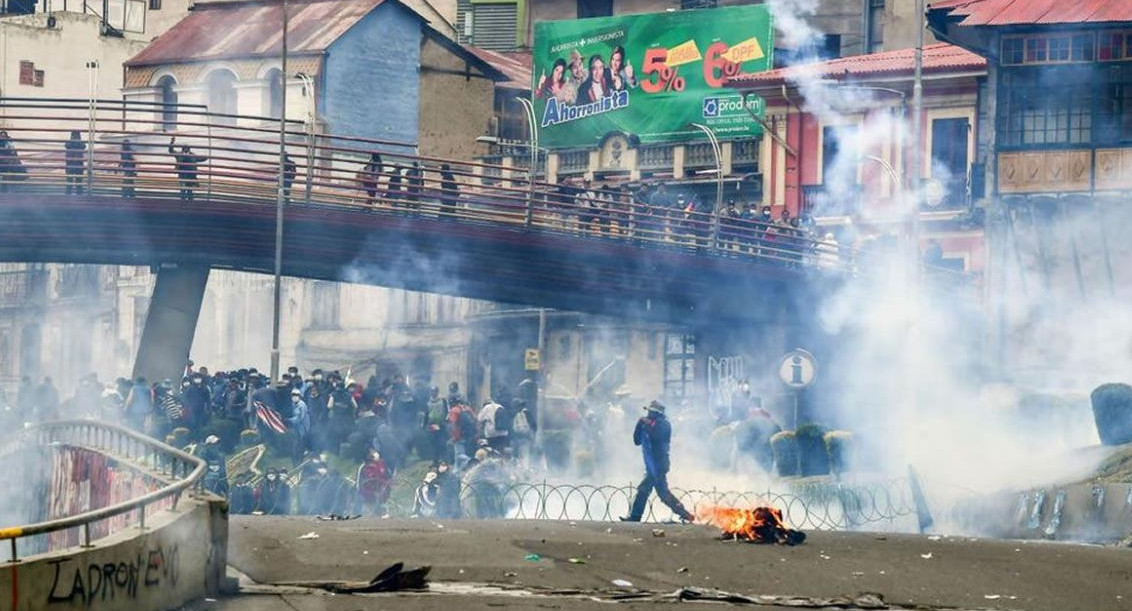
{"x":715,"y":149}
{"x":278,"y":304}
{"x":532,"y":169}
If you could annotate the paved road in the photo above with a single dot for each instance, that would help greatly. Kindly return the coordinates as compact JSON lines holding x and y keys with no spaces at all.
{"x":960,"y":573}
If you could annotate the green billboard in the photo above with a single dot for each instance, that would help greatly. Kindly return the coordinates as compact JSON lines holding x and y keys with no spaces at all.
{"x":649,"y":76}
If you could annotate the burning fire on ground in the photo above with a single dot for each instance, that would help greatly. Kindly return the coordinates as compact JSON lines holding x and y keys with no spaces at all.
{"x":758,"y":525}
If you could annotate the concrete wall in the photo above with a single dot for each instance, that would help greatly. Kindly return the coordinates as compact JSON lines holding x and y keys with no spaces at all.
{"x":371,"y":77}
{"x":62,"y":54}
{"x":455,"y":108}
{"x":180,"y":557}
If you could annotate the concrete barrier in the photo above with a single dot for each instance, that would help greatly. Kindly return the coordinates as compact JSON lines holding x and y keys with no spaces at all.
{"x":1075,"y":512}
{"x":179,"y":557}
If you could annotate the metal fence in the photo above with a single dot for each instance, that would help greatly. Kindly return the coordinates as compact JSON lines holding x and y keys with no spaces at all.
{"x":881,"y":505}
{"x":166,"y":471}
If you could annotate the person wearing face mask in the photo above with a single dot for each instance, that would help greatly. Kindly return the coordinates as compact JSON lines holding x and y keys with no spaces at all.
{"x":299,"y":423}
{"x":316,"y":395}
{"x":216,"y":475}
{"x":447,"y":493}
{"x":197,"y":398}
{"x":274,"y":495}
{"x":342,"y":409}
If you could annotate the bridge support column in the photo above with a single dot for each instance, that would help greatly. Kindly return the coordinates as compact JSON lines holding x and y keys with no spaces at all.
{"x":171,"y":322}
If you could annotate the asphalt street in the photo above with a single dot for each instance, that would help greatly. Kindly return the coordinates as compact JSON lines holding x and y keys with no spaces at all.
{"x":564,"y":565}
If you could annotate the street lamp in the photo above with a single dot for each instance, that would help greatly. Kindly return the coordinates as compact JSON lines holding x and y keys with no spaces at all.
{"x":715,"y":149}
{"x":532,"y":169}
{"x":278,"y":304}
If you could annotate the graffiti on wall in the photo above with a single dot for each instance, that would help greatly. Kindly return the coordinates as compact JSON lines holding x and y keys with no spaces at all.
{"x":84,"y":480}
{"x":724,"y":376}
{"x":90,"y":583}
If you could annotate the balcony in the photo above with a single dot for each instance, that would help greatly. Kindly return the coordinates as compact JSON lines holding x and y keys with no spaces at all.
{"x":655,"y":157}
{"x":816,"y":200}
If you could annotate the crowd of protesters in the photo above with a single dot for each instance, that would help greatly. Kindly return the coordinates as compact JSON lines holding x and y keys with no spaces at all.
{"x":305,"y":420}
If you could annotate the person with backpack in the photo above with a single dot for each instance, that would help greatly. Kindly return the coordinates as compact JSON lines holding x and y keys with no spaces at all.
{"x":461,"y":431}
{"x":494,"y":425}
{"x":436,"y":420}
{"x":139,"y":405}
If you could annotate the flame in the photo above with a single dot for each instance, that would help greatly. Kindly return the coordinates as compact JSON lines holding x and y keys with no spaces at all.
{"x":758,"y":525}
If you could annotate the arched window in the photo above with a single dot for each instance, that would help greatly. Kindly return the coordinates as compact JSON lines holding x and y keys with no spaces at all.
{"x":222,"y":93}
{"x":169,"y":102}
{"x":274,"y":93}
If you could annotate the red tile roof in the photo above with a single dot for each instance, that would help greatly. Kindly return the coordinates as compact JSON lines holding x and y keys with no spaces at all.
{"x":515,"y":65}
{"x":251,"y":28}
{"x":940,"y":57}
{"x":1024,"y":12}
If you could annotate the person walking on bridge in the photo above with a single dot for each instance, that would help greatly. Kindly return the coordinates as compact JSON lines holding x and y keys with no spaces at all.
{"x":128,"y":165}
{"x":73,"y":162}
{"x":289,"y":171}
{"x":187,"y":164}
{"x":654,"y":434}
{"x":368,"y":177}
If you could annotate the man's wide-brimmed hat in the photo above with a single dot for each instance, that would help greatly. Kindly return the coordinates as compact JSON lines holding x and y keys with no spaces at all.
{"x":655,"y":406}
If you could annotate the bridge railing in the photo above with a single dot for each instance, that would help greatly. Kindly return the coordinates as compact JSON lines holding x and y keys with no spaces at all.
{"x":236,"y":159}
{"x":171,"y":471}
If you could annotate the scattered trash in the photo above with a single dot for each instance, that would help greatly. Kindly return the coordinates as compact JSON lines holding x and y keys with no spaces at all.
{"x":210,"y":600}
{"x":391,"y":579}
{"x":621,"y":583}
{"x":510,"y":574}
{"x":934,"y":538}
{"x":576,"y":561}
{"x":609,"y":531}
{"x":310,"y":535}
{"x":365,"y":552}
{"x":336,"y":518}
{"x":858,"y":573}
{"x":824,"y":557}
{"x":927,"y":556}
{"x":532,"y":558}
{"x":682,"y":569}
{"x":658,"y":532}
{"x":998,"y":596}
{"x":865,"y":600}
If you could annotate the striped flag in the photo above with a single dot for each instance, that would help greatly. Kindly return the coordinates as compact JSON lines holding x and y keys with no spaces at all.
{"x":270,"y":418}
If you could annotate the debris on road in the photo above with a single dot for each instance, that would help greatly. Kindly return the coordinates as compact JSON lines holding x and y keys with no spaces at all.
{"x":864,"y":600}
{"x":393,"y":579}
{"x":621,"y":583}
{"x":927,"y":556}
{"x":658,"y":532}
{"x":682,"y":569}
{"x":576,"y":561}
{"x":308,"y":536}
{"x":337,"y":518}
{"x":532,"y":558}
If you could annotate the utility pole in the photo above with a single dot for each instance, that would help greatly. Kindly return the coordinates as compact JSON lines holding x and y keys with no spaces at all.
{"x":279,"y":201}
{"x":917,"y":135}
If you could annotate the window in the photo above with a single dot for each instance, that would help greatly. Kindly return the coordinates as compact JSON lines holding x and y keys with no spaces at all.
{"x":222,"y":94}
{"x":694,"y":4}
{"x":274,"y":93}
{"x":1048,"y":49}
{"x":494,"y":25}
{"x":949,"y":157}
{"x":598,"y":8}
{"x":155,"y":5}
{"x":875,"y":23}
{"x":1115,"y":110}
{"x":837,"y":139}
{"x":1054,"y":110}
{"x":168,"y":99}
{"x":679,"y":366}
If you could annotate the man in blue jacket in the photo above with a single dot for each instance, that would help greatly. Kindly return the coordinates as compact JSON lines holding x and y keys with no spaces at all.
{"x":654,"y":435}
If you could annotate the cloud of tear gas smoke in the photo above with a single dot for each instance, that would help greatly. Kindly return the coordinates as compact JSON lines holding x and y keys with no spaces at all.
{"x":917,"y":379}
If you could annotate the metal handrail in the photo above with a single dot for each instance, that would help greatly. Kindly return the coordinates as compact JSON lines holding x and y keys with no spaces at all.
{"x":123,"y":445}
{"x":242,"y":167}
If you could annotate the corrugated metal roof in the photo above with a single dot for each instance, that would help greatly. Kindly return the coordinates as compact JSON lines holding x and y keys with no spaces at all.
{"x":940,"y":57}
{"x":251,"y":28}
{"x":1026,"y":12}
{"x":516,"y":66}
